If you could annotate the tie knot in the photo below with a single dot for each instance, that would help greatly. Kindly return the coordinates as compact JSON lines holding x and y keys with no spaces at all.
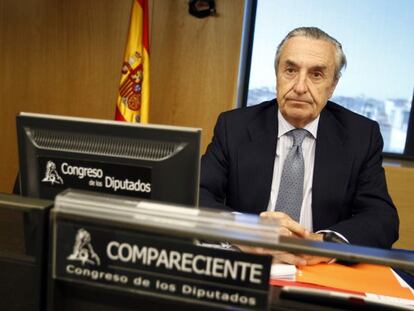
{"x":298,"y":136}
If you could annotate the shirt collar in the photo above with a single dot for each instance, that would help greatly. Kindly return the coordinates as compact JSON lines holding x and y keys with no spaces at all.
{"x":284,"y":126}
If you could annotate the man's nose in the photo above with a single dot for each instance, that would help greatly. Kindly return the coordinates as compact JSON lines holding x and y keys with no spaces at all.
{"x":300,"y":85}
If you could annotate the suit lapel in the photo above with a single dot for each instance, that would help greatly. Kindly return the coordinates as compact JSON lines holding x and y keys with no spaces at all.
{"x":331,"y":171}
{"x":255,"y":161}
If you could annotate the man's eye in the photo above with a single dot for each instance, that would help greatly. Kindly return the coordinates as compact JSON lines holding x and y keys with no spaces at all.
{"x":317,"y":74}
{"x":290,"y":70}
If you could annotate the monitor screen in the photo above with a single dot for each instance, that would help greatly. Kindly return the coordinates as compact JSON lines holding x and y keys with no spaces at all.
{"x":149,"y":161}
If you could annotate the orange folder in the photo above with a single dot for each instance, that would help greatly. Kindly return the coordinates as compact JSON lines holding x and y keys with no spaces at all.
{"x":365,"y":278}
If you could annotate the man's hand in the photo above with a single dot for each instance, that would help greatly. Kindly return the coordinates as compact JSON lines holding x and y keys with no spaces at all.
{"x":290,"y":228}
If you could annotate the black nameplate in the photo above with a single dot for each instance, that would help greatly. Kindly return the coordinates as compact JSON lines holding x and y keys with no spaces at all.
{"x":158,"y":265}
{"x":57,"y":174}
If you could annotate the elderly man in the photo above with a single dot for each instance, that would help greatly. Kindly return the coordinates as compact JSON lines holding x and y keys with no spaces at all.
{"x":312,"y":164}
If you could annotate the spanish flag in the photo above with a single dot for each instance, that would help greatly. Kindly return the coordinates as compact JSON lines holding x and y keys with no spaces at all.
{"x":134,"y":90}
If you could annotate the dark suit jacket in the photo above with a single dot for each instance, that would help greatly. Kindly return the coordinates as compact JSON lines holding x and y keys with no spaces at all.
{"x":349,"y":192}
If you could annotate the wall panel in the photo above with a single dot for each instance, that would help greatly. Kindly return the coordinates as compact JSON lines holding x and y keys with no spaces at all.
{"x":61,"y":57}
{"x":401,"y":186}
{"x":194,"y":73}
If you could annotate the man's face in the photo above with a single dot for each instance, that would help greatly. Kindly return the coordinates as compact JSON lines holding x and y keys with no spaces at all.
{"x":305,"y":79}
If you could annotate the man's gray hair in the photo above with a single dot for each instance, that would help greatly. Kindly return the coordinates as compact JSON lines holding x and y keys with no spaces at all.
{"x":317,"y":34}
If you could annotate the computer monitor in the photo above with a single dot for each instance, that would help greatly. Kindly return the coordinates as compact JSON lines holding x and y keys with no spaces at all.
{"x":155,"y":162}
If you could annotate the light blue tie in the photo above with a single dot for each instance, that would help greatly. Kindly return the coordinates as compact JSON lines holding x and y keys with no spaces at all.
{"x":290,"y":196}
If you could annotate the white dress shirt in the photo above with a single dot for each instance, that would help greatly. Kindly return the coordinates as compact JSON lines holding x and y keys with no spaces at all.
{"x":284,"y":144}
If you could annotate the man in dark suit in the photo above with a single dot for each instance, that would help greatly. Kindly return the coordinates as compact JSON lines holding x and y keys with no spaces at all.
{"x":343,"y":190}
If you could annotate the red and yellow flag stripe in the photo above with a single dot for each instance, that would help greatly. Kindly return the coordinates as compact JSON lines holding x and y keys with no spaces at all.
{"x":134,"y":90}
